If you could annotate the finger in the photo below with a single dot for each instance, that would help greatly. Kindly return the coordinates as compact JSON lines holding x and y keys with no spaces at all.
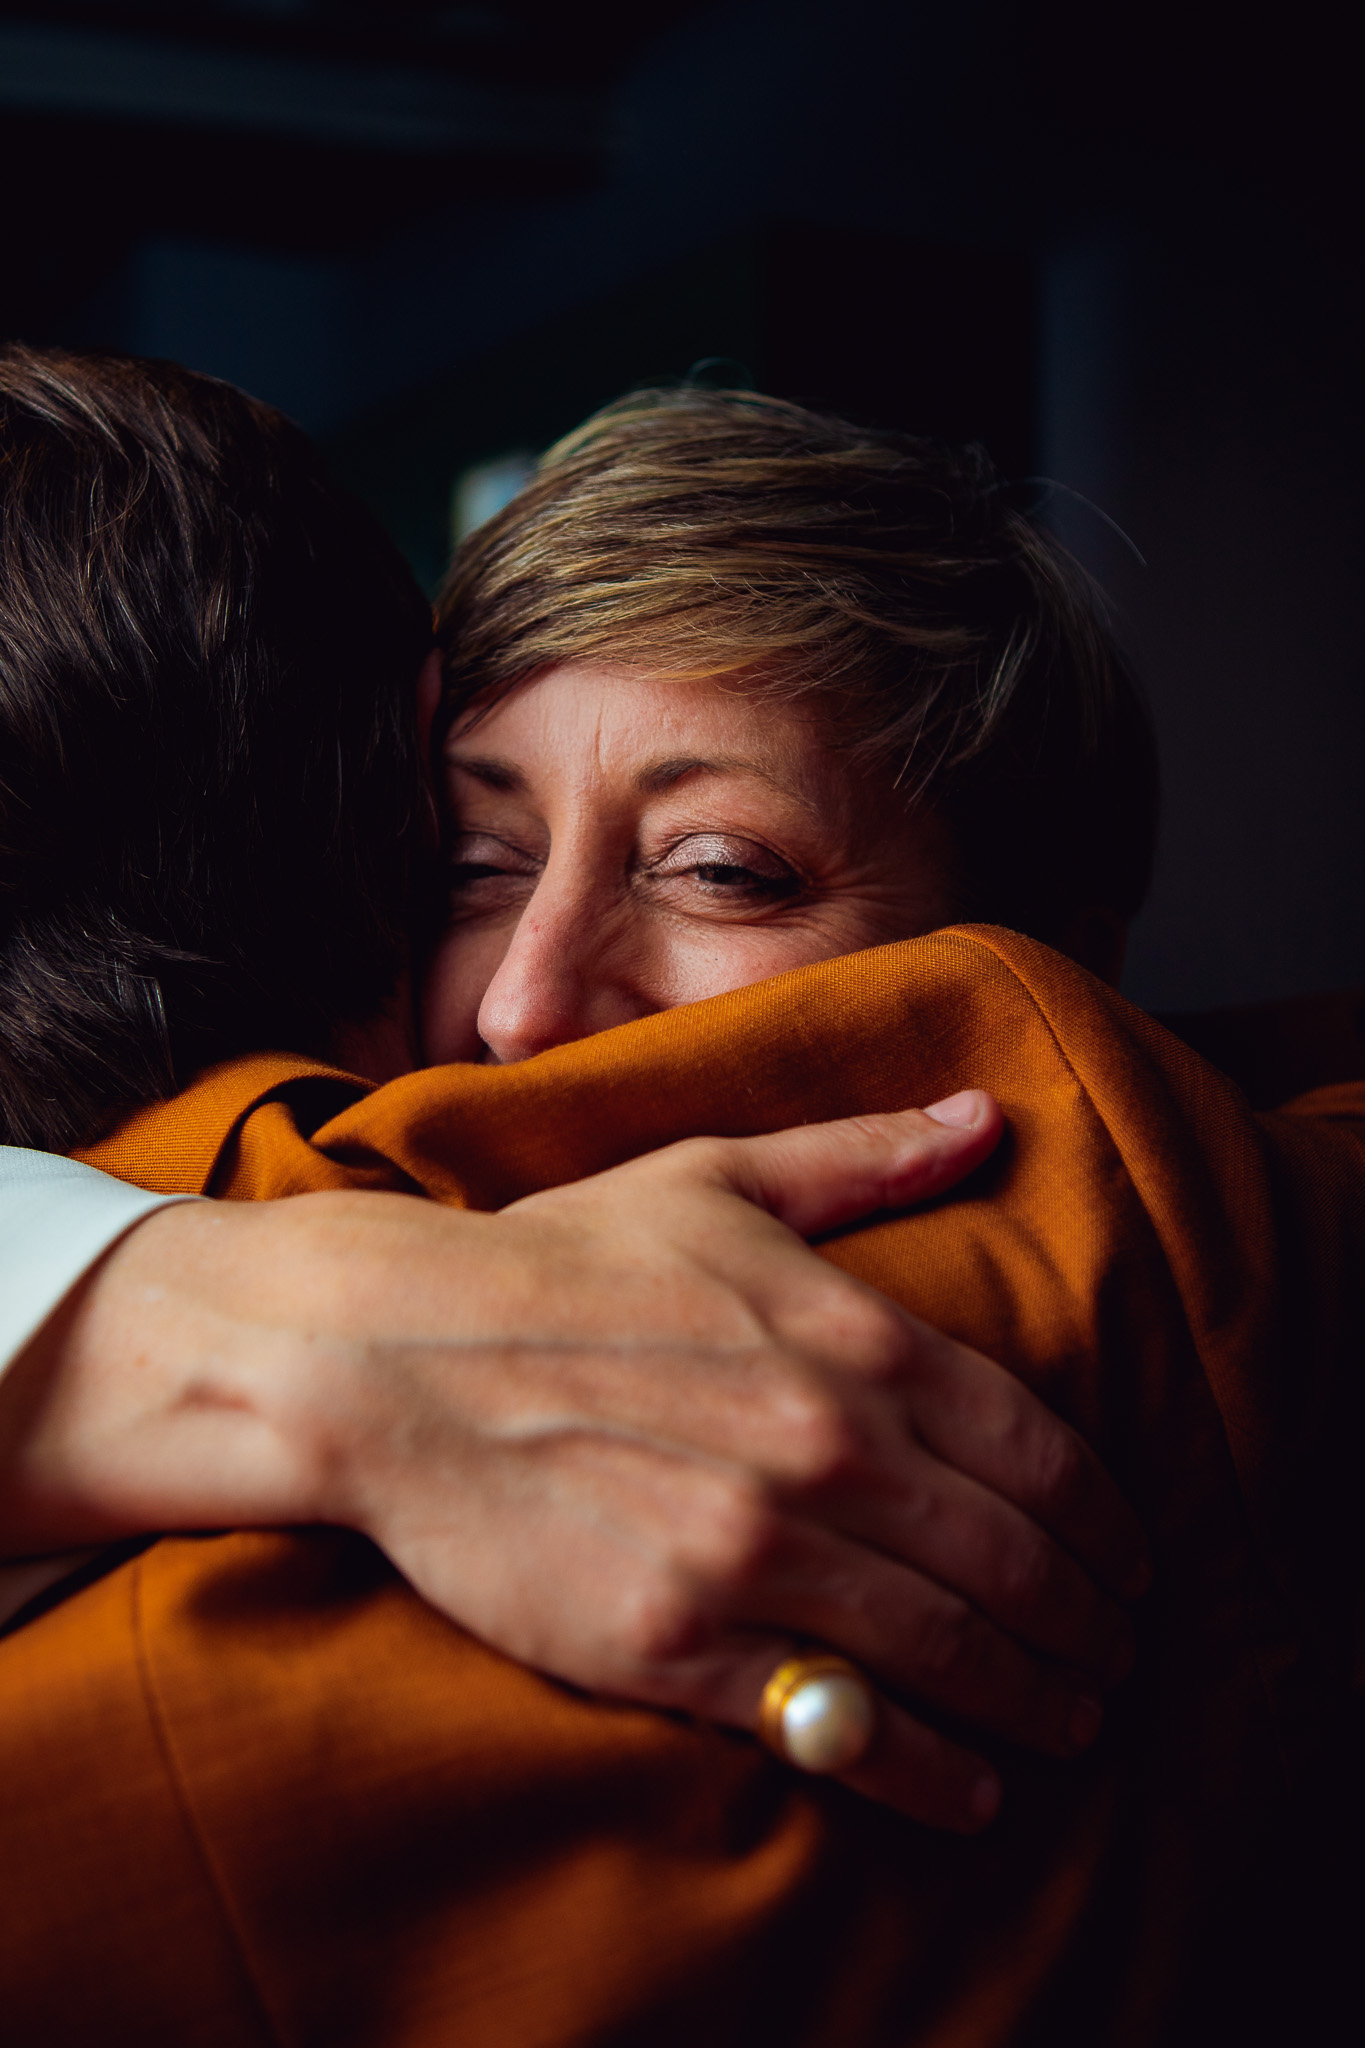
{"x":972,"y":1541}
{"x":908,"y":1766}
{"x":920,"y":1639}
{"x":923,"y":1775}
{"x":821,"y":1176}
{"x":685,"y":1557}
{"x":684,"y":1552}
{"x":979,"y":1418}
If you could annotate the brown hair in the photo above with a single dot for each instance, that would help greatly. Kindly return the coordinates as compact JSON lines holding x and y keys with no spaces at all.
{"x":211,"y":799}
{"x":941,"y":631}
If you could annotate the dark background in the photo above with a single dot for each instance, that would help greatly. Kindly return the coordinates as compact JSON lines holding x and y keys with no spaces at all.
{"x":1120,"y":245}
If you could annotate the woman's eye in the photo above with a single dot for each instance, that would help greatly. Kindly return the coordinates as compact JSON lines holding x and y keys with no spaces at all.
{"x":740,"y":869}
{"x":726,"y":875}
{"x":462,"y":871}
{"x":480,"y":857}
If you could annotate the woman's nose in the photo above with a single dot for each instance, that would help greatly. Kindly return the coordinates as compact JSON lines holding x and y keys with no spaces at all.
{"x":565,"y":975}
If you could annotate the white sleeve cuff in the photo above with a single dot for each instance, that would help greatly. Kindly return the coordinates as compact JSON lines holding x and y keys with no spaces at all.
{"x":56,"y":1218}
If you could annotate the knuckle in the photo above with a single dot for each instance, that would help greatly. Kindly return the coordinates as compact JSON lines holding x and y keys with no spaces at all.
{"x":1057,"y":1461}
{"x":697,"y":1155}
{"x":732,"y":1533}
{"x":880,"y":1341}
{"x":952,"y":1650}
{"x":660,"y":1617}
{"x":854,"y":1328}
{"x":823,"y":1444}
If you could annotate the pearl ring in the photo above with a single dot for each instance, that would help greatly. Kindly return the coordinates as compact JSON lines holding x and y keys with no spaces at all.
{"x":818,"y":1712}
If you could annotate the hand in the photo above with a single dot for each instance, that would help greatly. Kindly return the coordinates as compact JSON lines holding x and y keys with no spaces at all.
{"x":742,"y":1446}
{"x":631,"y":1431}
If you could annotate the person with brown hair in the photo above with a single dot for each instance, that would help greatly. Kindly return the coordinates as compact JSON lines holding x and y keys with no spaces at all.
{"x":199,"y":636}
{"x":645,"y":818}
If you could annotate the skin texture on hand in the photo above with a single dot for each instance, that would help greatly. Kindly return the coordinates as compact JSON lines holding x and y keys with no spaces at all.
{"x":631,"y":1431}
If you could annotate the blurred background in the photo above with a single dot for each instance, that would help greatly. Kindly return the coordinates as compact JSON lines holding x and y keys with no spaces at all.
{"x":1120,"y":245}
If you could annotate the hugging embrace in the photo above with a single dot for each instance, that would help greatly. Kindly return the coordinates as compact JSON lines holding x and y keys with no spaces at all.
{"x":747,"y":864}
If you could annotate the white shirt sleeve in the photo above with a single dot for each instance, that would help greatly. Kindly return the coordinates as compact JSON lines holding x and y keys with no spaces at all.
{"x":56,"y":1218}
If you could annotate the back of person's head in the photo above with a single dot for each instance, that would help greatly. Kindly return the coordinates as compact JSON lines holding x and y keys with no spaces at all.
{"x":939,"y":631}
{"x":210,"y":794}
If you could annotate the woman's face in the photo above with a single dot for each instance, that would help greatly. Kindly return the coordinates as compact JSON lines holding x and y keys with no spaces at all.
{"x":626,"y":842}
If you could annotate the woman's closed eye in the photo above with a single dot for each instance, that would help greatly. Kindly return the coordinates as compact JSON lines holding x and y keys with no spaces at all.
{"x":482,"y":865}
{"x":721,"y":868}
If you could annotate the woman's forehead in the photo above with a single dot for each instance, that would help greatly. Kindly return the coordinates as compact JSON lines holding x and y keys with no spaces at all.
{"x":654,"y":727}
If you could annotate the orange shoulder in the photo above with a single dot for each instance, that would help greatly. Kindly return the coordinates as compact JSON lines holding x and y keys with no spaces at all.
{"x":177,"y":1147}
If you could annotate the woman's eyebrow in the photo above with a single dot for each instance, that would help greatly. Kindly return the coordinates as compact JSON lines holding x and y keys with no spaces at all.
{"x":661,"y":775}
{"x":486,"y":768}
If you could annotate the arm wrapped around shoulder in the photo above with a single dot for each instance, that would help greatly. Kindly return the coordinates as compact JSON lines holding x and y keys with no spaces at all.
{"x":405,"y":1822}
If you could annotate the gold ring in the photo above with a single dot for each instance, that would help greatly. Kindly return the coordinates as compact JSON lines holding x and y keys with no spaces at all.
{"x":818,"y":1712}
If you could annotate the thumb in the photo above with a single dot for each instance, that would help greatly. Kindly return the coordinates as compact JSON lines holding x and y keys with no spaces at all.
{"x":819,"y":1176}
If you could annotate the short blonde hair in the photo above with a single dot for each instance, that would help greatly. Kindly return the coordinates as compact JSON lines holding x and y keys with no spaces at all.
{"x":939,"y":631}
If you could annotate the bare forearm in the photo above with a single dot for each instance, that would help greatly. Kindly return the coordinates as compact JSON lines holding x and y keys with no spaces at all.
{"x":164,"y":1393}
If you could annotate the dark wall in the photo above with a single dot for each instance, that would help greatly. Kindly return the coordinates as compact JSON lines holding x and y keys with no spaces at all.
{"x":1242,"y":480}
{"x":884,"y":328}
{"x":1201,"y":346}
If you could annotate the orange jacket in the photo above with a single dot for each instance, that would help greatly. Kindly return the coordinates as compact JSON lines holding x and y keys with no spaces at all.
{"x":256,"y":1791}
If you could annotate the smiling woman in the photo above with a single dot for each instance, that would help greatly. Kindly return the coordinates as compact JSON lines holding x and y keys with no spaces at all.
{"x":732,"y":688}
{"x":626,"y":842}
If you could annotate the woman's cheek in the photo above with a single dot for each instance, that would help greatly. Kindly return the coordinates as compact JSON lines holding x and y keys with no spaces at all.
{"x":457,"y":977}
{"x":711,"y":959}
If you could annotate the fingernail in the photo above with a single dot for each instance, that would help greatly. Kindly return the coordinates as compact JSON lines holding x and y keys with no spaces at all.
{"x":984,"y":1803}
{"x":962,"y":1110}
{"x":1087,"y":1718}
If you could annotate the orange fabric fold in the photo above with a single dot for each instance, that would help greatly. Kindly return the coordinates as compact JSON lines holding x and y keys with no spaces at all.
{"x":358,"y":1825}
